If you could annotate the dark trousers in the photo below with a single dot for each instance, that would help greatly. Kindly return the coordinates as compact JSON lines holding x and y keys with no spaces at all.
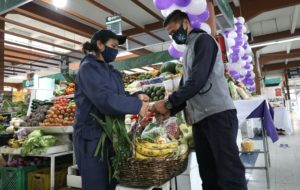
{"x":94,"y":171}
{"x":217,"y":152}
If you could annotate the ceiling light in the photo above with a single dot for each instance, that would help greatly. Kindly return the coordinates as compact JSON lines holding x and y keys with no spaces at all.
{"x":274,"y":42}
{"x":60,"y":3}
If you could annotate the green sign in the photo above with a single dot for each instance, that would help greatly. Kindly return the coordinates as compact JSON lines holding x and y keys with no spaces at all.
{"x":28,"y":83}
{"x":226,"y":11}
{"x":114,"y":23}
{"x":8,"y":5}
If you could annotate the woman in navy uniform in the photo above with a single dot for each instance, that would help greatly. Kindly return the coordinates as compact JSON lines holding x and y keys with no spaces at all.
{"x":100,"y":90}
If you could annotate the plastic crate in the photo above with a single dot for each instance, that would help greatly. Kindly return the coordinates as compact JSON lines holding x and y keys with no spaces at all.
{"x":15,"y":178}
{"x":40,"y":179}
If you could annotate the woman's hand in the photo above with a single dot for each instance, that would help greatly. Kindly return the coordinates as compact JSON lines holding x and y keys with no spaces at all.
{"x":144,"y":109}
{"x":143,"y":97}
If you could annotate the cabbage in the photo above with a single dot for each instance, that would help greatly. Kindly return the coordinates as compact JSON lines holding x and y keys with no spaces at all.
{"x":47,"y":141}
{"x":35,"y":133}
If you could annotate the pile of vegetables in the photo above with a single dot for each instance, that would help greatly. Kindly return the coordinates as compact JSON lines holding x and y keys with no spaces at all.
{"x":155,"y":93}
{"x":114,"y":131}
{"x":37,"y":143}
{"x":14,"y":124}
{"x":171,"y":68}
{"x":70,"y":89}
{"x":20,"y":108}
{"x":19,"y":162}
{"x":37,"y":115}
{"x":62,"y":113}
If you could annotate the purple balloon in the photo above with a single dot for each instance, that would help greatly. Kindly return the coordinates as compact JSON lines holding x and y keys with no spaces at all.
{"x":201,"y":18}
{"x":245,"y":46}
{"x":232,"y":72}
{"x":234,"y":57}
{"x":226,"y":33}
{"x":162,"y":4}
{"x":239,"y":24}
{"x":245,"y":57}
{"x":174,"y":53}
{"x":250,"y":82}
{"x":182,"y":3}
{"x":247,"y":66}
{"x":238,"y":42}
{"x":236,"y":77}
{"x":252,"y":89}
{"x":195,"y":24}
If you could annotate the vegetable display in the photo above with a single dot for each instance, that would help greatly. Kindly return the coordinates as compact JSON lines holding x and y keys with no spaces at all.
{"x":155,"y":93}
{"x":37,"y":143}
{"x":62,"y":113}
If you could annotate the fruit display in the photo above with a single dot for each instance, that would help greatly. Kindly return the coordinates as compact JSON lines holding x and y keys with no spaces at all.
{"x":62,"y":113}
{"x":128,"y":79}
{"x":155,"y":93}
{"x":70,"y":89}
{"x":37,"y":103}
{"x":38,"y":115}
{"x":144,"y":76}
{"x":168,"y":67}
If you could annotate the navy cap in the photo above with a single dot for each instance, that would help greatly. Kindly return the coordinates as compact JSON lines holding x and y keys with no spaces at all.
{"x":105,"y":35}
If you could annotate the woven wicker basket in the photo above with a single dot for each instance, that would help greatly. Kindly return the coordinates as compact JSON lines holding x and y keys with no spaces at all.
{"x":151,"y":172}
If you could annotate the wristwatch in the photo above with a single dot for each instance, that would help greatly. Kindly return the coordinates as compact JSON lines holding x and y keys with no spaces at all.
{"x":169,"y":105}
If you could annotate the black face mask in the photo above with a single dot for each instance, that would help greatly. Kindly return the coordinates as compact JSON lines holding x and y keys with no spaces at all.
{"x":180,"y":36}
{"x":109,"y":54}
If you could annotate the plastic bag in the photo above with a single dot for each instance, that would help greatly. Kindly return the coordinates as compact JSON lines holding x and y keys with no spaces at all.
{"x":172,"y":128}
{"x":152,"y":131}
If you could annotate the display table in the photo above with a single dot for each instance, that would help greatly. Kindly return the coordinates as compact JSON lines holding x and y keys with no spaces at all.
{"x":282,"y":120}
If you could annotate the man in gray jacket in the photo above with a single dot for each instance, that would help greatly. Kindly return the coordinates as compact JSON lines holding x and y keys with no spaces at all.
{"x":208,"y":107}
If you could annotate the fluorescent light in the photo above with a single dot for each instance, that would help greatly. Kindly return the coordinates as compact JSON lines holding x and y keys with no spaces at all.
{"x":60,"y":3}
{"x":124,"y":53}
{"x":18,"y":77}
{"x":274,"y":42}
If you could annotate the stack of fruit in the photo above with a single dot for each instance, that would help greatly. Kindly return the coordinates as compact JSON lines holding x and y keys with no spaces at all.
{"x":70,"y":89}
{"x":38,"y":114}
{"x":155,"y":93}
{"x":62,"y":113}
{"x":128,"y":79}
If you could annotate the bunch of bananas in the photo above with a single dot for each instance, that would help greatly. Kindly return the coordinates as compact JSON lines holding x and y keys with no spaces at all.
{"x":146,"y":150}
{"x":14,"y":143}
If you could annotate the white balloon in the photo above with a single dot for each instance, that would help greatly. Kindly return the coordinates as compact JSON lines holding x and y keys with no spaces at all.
{"x":196,"y":7}
{"x":251,"y":68}
{"x":168,"y":11}
{"x":245,"y":38}
{"x":232,"y":35}
{"x":241,"y":52}
{"x":244,"y":29}
{"x":250,"y":59}
{"x":235,"y":20}
{"x":230,"y":42}
{"x":252,"y":75}
{"x":249,"y":51}
{"x":243,"y":72}
{"x":230,"y":51}
{"x":180,"y":48}
{"x":241,"y":20}
{"x":206,"y":28}
{"x":242,"y":63}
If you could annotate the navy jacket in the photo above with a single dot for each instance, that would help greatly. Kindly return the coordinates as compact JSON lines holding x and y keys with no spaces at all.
{"x":99,"y":90}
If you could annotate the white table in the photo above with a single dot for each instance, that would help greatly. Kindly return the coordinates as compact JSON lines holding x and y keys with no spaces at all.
{"x":282,"y":120}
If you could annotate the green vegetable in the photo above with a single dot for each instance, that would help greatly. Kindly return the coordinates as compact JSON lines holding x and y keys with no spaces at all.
{"x":114,"y":129}
{"x":47,"y":141}
{"x":179,"y":68}
{"x":165,"y":74}
{"x":36,"y":134}
{"x":151,"y":132}
{"x":168,"y":67}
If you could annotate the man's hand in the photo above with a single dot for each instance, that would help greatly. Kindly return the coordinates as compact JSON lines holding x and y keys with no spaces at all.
{"x":143,"y":97}
{"x":160,"y":110}
{"x":144,"y":109}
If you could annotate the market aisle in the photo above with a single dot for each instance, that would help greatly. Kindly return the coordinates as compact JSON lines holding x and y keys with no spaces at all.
{"x":284,"y":172}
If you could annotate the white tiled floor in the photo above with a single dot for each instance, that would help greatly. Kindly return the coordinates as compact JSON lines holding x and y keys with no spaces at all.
{"x":285,"y":163}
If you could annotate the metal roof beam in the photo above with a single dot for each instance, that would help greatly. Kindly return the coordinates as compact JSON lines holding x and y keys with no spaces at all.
{"x":295,"y":19}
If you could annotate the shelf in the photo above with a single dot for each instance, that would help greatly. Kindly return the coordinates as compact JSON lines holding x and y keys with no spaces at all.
{"x":65,"y":96}
{"x":50,"y":151}
{"x":55,"y":129}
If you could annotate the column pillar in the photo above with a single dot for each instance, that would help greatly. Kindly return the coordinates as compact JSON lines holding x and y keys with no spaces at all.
{"x":2,"y":27}
{"x":212,"y":19}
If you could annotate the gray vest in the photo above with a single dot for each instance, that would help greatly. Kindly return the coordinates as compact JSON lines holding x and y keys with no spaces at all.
{"x":214,"y":97}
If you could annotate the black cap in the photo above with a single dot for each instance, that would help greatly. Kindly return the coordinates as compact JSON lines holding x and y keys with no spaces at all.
{"x":105,"y":35}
